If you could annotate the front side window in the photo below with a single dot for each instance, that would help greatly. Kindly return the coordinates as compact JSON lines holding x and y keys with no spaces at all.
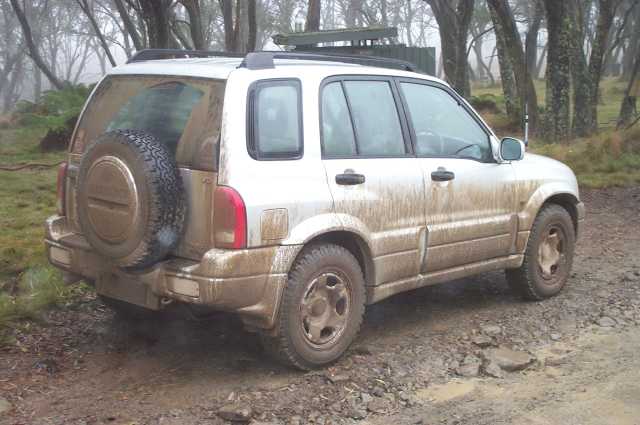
{"x":443,"y":127}
{"x":275,"y":109}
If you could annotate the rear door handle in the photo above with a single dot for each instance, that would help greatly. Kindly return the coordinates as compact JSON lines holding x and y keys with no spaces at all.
{"x":349,"y":178}
{"x":442,"y":175}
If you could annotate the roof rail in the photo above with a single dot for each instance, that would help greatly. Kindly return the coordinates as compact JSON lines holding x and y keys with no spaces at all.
{"x":264,"y":60}
{"x":155,"y":54}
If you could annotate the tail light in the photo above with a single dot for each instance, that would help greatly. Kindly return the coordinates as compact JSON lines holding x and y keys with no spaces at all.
{"x":60,"y":187}
{"x":229,"y":219}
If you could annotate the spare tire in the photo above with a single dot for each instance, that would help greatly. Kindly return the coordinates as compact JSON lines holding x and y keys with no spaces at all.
{"x":130,"y":199}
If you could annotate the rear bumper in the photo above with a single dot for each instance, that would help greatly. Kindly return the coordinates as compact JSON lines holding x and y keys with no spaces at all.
{"x":248,"y":282}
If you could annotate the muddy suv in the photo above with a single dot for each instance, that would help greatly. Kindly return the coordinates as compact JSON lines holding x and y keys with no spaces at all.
{"x":296,"y":189}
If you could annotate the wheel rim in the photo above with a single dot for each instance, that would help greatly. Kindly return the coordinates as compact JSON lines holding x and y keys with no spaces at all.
{"x":325,"y":308}
{"x":551,"y":252}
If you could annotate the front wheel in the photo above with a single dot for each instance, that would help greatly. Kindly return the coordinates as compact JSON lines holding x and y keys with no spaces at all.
{"x":322,"y":308}
{"x":548,"y":256}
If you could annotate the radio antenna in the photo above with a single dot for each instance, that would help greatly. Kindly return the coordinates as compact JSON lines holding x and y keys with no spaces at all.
{"x":526,"y":95}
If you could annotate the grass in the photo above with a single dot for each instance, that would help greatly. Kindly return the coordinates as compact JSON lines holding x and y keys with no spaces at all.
{"x":606,"y":159}
{"x":611,"y":90}
{"x":27,"y":283}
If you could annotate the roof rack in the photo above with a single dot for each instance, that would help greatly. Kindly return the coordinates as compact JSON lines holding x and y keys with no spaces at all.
{"x":265,"y":59}
{"x":156,"y":54}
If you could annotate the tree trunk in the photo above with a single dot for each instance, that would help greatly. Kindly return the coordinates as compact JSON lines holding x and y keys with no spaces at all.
{"x":582,"y":125}
{"x":156,"y":15}
{"x":313,"y":16}
{"x":129,"y":25}
{"x":253,"y":26}
{"x":453,"y":26}
{"x":509,"y":89}
{"x":33,"y":49}
{"x":558,"y":73}
{"x":598,"y":52}
{"x":12,"y":91}
{"x":84,"y":5}
{"x":231,"y":25}
{"x":629,"y":101}
{"x":526,"y":91}
{"x":531,"y":41}
{"x":195,"y":23}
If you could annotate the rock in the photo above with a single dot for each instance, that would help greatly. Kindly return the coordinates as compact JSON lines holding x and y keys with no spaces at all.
{"x":5,"y":406}
{"x":378,"y":392}
{"x":509,"y":360}
{"x":49,"y":365}
{"x":296,"y":420}
{"x":555,"y":337}
{"x":482,"y":341}
{"x":235,"y":412}
{"x":378,"y":405}
{"x":606,"y":322}
{"x":362,"y":350}
{"x":336,"y":379}
{"x":356,"y":413}
{"x":493,"y":370}
{"x":470,"y":370}
{"x":366,"y":398}
{"x":491,"y":330}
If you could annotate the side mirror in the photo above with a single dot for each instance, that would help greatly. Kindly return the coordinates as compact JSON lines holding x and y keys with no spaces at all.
{"x":512,"y":149}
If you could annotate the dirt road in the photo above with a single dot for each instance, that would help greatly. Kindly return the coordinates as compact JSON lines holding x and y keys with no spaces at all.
{"x":422,"y":358}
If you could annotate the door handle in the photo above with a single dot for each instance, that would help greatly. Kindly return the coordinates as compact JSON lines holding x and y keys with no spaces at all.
{"x":349,"y":178}
{"x":442,"y":175}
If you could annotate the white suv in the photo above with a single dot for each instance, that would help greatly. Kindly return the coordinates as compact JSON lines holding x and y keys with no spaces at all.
{"x":295,"y":189}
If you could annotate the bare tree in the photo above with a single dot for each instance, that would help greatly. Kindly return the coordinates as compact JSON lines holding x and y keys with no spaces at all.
{"x":195,"y":23}
{"x":505,"y":22}
{"x":454,"y":19}
{"x":313,"y":16}
{"x":629,"y":100}
{"x":558,"y":71}
{"x":87,"y":9}
{"x":33,"y":48}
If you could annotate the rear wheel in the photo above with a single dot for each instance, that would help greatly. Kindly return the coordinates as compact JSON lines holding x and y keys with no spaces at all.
{"x":548,"y":257}
{"x":321,"y":310}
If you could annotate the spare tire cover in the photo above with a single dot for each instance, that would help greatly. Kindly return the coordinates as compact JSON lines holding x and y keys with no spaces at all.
{"x":130,"y":199}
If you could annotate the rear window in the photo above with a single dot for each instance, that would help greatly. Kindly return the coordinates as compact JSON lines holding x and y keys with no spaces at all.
{"x":182,"y":113}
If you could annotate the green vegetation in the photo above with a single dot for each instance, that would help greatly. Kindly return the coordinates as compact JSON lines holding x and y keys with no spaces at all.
{"x":53,"y":110}
{"x":27,"y":283}
{"x":609,"y":158}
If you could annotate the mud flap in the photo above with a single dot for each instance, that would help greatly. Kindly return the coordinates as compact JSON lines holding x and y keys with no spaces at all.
{"x":127,"y":290}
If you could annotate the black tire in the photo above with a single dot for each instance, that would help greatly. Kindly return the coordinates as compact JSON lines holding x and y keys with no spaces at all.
{"x":292,"y":345}
{"x":530,"y":280}
{"x":130,"y":199}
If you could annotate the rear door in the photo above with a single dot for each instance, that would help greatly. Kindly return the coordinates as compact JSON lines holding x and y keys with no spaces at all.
{"x":470,"y":199}
{"x":376,"y":182}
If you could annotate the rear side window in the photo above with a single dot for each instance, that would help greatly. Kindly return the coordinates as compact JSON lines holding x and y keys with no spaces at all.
{"x":183,"y":113}
{"x":275,"y":120}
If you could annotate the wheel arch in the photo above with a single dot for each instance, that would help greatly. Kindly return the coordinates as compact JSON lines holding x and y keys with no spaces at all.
{"x":350,"y":241}
{"x":569,"y":202}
